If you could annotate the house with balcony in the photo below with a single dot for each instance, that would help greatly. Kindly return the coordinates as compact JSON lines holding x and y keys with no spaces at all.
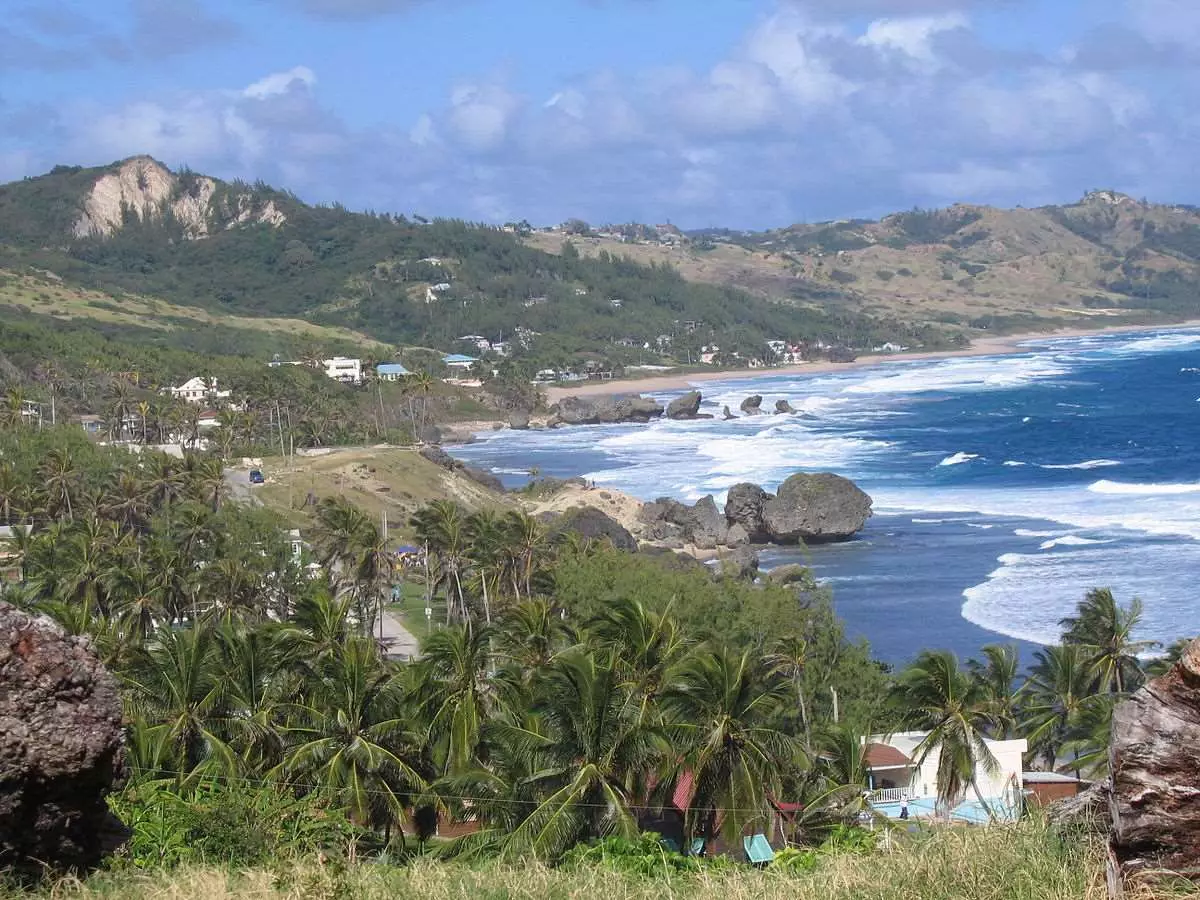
{"x":390,"y":372}
{"x":898,"y":777}
{"x":198,"y":390}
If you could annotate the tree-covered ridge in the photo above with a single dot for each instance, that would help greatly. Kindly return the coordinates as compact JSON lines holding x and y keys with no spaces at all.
{"x":400,"y":280}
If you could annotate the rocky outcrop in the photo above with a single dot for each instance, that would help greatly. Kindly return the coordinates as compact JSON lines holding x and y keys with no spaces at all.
{"x":782,"y":407}
{"x":752,"y":406}
{"x":604,"y":410}
{"x":1154,"y":760}
{"x":811,"y":508}
{"x":685,"y":407}
{"x":744,"y":507}
{"x":518,"y":420}
{"x":726,"y":414}
{"x":61,"y":748}
{"x":740,"y":563}
{"x":429,"y":434}
{"x":792,"y":573}
{"x":815,"y":508}
{"x":702,"y":525}
{"x":440,"y":457}
{"x":591,"y":524}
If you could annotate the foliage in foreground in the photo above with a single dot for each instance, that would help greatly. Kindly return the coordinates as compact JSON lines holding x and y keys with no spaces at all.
{"x":1020,"y":863}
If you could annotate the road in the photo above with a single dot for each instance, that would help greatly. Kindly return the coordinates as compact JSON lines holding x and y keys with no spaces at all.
{"x":398,"y":640}
{"x":240,"y":488}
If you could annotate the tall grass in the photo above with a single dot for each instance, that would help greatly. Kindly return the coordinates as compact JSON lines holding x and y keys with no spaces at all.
{"x":1026,"y":862}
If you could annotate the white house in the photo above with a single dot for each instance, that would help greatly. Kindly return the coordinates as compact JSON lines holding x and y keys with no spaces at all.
{"x":896,"y":774}
{"x":390,"y":371}
{"x":458,"y":362}
{"x":344,"y":369}
{"x":198,"y":390}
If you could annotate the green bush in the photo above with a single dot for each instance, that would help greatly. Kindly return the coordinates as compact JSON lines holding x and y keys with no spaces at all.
{"x":646,"y":856}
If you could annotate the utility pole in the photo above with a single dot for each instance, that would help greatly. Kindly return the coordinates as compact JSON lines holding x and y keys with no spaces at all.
{"x":833,"y":691}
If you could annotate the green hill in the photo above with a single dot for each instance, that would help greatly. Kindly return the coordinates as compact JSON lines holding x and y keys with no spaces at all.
{"x":234,"y":249}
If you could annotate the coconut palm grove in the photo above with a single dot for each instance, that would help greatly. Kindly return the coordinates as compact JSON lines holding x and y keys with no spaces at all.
{"x":567,"y":695}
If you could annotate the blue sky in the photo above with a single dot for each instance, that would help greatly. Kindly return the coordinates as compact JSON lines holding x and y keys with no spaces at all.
{"x":739,"y":113}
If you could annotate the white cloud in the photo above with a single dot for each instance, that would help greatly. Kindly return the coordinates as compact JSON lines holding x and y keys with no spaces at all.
{"x":297,"y":78}
{"x":912,"y":37}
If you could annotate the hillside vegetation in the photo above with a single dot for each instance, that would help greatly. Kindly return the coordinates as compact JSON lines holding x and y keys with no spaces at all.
{"x":236,"y":249}
{"x":1106,"y":259}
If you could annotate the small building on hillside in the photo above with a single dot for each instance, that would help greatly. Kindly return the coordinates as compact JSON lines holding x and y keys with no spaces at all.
{"x":1042,"y":788}
{"x":344,"y":369}
{"x":198,"y":390}
{"x":390,"y":371}
{"x":897,"y":776}
{"x":458,"y":363}
{"x":92,"y":424}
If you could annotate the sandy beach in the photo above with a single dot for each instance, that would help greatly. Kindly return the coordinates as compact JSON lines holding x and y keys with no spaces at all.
{"x":984,"y":346}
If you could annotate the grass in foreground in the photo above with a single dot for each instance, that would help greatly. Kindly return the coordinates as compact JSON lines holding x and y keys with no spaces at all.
{"x":1026,"y":862}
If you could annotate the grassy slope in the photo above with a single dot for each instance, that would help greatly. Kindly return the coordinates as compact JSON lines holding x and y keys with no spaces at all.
{"x":1021,"y":863}
{"x":398,"y":480}
{"x":46,"y":294}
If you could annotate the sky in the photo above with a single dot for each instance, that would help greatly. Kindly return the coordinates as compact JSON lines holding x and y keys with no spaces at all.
{"x":728,"y":113}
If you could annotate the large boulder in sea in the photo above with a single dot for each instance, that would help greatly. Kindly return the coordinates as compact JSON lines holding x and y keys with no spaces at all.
{"x":685,"y":407}
{"x":752,"y":405}
{"x":726,"y":414}
{"x":592,"y":524}
{"x":606,"y":409}
{"x":782,"y":407}
{"x":518,"y":420}
{"x":815,"y":508}
{"x":1154,"y":760}
{"x":61,"y":749}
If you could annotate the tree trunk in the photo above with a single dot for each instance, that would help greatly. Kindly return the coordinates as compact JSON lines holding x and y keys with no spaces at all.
{"x":979,"y":795}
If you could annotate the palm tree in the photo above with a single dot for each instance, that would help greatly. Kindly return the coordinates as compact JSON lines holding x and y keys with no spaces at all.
{"x":13,"y":412}
{"x":351,"y":544}
{"x":120,"y":406}
{"x":177,"y":685}
{"x":421,"y":385}
{"x":1105,"y":629}
{"x":723,"y":708}
{"x":531,"y":634}
{"x":996,"y":674}
{"x":206,"y":480}
{"x":790,"y":659}
{"x":11,"y":492}
{"x":593,"y":744}
{"x":936,"y":696}
{"x":644,"y":645}
{"x":256,"y":667}
{"x":349,"y":736}
{"x":1057,"y":698}
{"x":456,"y":693}
{"x":441,"y":527}
{"x":528,"y":544}
{"x":60,"y":478}
{"x":486,"y":535}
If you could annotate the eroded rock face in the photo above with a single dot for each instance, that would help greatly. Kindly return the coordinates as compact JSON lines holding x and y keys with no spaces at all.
{"x":61,"y":749}
{"x":592,"y":524}
{"x":518,"y":420}
{"x":726,"y":414}
{"x":1154,"y":759}
{"x":604,"y":410}
{"x":744,"y":507}
{"x":782,"y":407}
{"x":685,"y":407}
{"x":815,"y":508}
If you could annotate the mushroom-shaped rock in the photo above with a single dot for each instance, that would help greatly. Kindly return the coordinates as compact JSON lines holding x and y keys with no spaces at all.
{"x":815,"y":508}
{"x":61,"y":749}
{"x":1154,"y":759}
{"x":685,"y":407}
{"x":752,"y":406}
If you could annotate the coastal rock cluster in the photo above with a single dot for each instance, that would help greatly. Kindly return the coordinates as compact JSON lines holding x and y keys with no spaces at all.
{"x":611,"y":409}
{"x":61,"y":748}
{"x":812,"y":508}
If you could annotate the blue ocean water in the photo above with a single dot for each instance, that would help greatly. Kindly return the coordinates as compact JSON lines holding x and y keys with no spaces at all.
{"x":1004,"y":486}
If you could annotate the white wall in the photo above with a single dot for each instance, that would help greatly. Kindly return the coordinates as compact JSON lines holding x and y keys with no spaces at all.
{"x":924,"y":784}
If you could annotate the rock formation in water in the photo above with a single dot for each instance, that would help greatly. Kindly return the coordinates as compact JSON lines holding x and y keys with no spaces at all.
{"x":685,"y":407}
{"x":726,"y":414}
{"x":518,"y":420}
{"x":61,"y":749}
{"x":810,"y":508}
{"x":604,"y":410}
{"x":782,"y":407}
{"x":1154,"y":760}
{"x":752,"y":406}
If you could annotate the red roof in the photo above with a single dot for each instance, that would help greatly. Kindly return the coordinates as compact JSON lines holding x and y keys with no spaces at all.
{"x":883,"y":756}
{"x":685,"y":789}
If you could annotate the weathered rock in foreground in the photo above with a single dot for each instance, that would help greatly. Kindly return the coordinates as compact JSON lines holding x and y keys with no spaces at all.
{"x":518,"y":420}
{"x":744,"y":507}
{"x":604,"y":410}
{"x":1154,"y":759}
{"x":685,"y":407}
{"x":61,"y":748}
{"x":782,"y":407}
{"x":752,"y":405}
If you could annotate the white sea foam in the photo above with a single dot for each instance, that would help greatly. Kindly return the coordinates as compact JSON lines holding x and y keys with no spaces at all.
{"x":1072,"y":540}
{"x":1014,"y":462}
{"x":980,"y":525}
{"x":1025,"y":532}
{"x":1086,"y":464}
{"x":958,"y":459}
{"x":1027,"y":595}
{"x":1119,"y":487}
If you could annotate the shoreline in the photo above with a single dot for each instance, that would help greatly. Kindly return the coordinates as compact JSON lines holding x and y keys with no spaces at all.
{"x":984,"y":346}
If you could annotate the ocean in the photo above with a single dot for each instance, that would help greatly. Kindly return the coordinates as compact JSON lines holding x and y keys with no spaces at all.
{"x":1004,"y":487}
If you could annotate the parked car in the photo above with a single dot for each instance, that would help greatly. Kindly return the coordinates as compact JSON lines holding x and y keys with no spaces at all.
{"x":256,"y":477}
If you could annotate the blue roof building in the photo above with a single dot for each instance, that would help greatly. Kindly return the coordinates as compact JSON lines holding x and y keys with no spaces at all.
{"x":390,"y":371}
{"x":459,"y":361}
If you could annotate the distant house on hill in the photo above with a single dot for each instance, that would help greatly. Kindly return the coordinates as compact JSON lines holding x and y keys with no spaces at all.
{"x":390,"y":371}
{"x":92,"y":424}
{"x":458,"y":361}
{"x":344,"y":369}
{"x":198,"y":390}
